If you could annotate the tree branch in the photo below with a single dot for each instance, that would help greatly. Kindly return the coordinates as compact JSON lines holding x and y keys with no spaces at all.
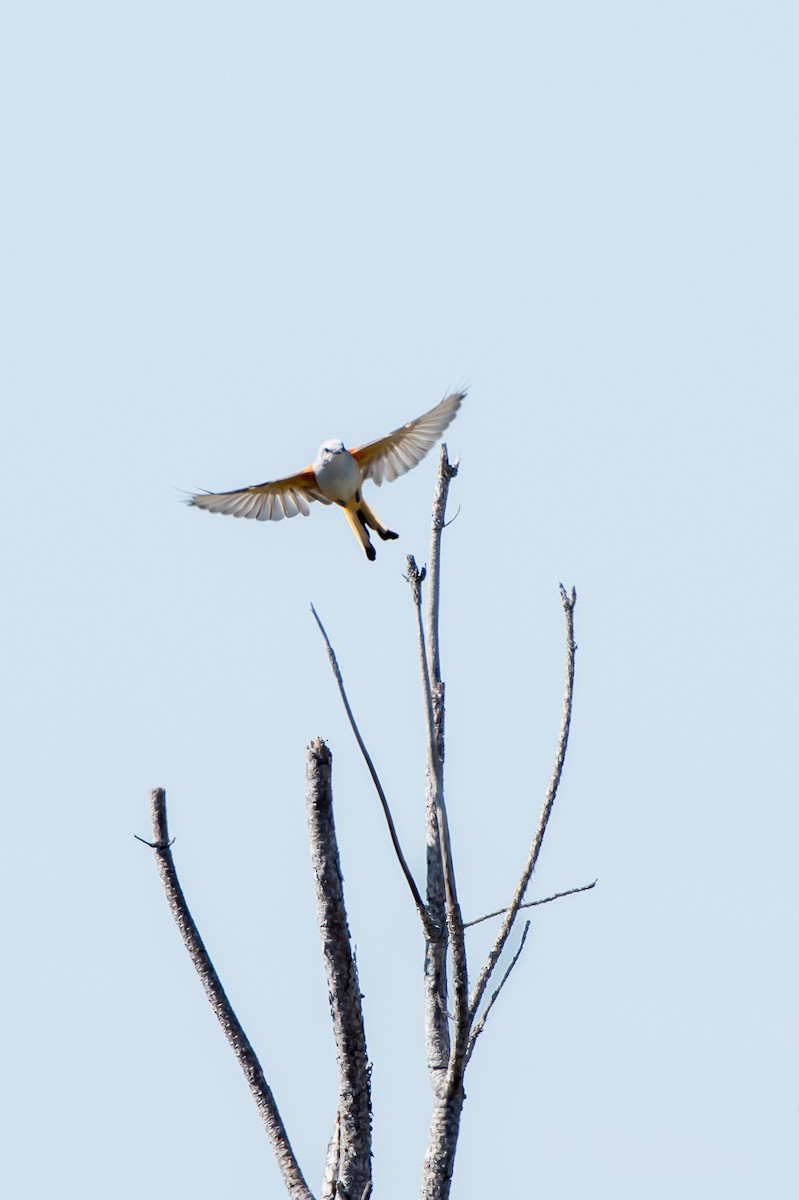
{"x":435,"y":775}
{"x":446,"y":473}
{"x":429,"y":928}
{"x":479,"y":1026}
{"x":569,"y":601}
{"x":237,"y":1039}
{"x":586,"y":887}
{"x":446,"y":1058}
{"x":354,"y":1117}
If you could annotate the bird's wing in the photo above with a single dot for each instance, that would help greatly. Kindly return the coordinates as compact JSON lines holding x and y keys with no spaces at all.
{"x":405,"y":448}
{"x":266,"y":501}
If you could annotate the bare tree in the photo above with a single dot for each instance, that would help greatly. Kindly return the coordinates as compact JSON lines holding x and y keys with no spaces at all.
{"x":450,"y":1034}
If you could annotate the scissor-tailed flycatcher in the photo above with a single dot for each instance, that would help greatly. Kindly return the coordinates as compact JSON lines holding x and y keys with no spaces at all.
{"x":337,"y":475}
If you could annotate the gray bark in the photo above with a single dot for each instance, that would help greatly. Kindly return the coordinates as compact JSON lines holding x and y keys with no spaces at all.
{"x":350,"y":1152}
{"x":442,"y":1142}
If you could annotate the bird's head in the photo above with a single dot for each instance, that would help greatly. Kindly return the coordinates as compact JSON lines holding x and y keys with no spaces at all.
{"x":331,"y":446}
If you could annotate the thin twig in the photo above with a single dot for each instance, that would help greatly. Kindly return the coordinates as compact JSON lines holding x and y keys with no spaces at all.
{"x":446,"y":473}
{"x":569,"y":601}
{"x":586,"y":887}
{"x":429,"y":927}
{"x":237,"y":1038}
{"x":479,"y":1026}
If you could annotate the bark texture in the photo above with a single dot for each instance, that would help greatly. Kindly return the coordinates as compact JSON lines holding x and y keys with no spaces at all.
{"x":350,"y":1152}
{"x":442,"y":1142}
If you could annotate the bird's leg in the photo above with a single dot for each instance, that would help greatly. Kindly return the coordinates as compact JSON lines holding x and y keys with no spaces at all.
{"x":353,"y":514}
{"x":370,"y":518}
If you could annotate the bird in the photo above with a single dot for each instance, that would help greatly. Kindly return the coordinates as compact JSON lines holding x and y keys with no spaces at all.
{"x":337,"y":475}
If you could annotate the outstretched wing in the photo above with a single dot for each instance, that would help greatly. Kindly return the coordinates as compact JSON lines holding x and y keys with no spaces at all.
{"x":392,"y":456}
{"x":266,"y":501}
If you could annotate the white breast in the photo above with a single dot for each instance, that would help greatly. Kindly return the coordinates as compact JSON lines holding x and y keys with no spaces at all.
{"x":338,"y":475}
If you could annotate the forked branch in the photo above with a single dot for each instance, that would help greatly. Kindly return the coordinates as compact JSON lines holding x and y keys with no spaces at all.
{"x":446,"y":1056}
{"x":435,"y":772}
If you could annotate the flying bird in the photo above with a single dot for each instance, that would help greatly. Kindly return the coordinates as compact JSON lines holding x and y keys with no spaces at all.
{"x":337,"y":476}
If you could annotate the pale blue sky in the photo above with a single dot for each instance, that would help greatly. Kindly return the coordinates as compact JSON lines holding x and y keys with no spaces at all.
{"x":230,"y":231}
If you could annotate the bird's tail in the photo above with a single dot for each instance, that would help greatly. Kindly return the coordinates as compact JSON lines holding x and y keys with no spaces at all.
{"x":362,"y":518}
